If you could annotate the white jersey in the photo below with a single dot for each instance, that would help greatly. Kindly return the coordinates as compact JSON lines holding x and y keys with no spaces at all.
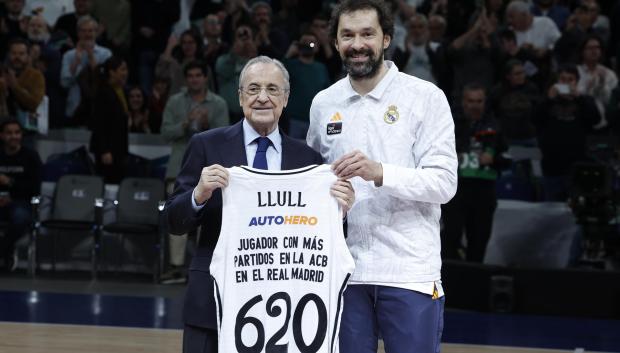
{"x":281,"y":263}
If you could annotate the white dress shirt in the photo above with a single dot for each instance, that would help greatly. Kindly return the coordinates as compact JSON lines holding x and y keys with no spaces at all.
{"x":274,"y":151}
{"x":405,"y":124}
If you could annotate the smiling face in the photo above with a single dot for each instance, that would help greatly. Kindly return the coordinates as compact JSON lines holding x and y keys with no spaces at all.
{"x":18,"y":56}
{"x":136,"y":99}
{"x":361,"y":42}
{"x":12,"y":137}
{"x":263,"y":110}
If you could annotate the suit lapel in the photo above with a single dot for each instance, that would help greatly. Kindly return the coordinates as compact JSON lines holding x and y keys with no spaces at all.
{"x":233,"y":149}
{"x":288,"y":161}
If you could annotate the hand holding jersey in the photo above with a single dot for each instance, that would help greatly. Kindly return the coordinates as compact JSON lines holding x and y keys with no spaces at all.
{"x":211,"y":178}
{"x":216,"y":177}
{"x":358,"y":164}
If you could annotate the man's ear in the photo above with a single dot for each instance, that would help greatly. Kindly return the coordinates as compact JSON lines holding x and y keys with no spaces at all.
{"x":386,"y":41}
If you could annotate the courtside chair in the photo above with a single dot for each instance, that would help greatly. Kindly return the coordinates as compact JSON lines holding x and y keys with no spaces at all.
{"x":139,"y":207}
{"x":77,"y":206}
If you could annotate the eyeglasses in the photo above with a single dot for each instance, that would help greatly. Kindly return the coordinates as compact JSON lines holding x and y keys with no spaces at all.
{"x":272,"y":91}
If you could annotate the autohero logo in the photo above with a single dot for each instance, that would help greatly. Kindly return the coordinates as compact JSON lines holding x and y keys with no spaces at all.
{"x":283,"y":220}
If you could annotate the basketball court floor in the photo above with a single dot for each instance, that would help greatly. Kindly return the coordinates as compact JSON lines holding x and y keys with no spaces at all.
{"x":52,"y":316}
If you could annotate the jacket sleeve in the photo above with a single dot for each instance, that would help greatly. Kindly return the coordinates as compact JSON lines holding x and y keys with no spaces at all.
{"x":181,"y":217}
{"x":434,"y":177}
{"x":30,"y":90}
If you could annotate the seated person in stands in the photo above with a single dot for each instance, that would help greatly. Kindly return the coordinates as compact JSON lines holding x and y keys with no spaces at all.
{"x":20,"y":179}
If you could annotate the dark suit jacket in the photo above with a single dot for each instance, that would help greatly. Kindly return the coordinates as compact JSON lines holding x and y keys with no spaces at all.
{"x":222,"y":146}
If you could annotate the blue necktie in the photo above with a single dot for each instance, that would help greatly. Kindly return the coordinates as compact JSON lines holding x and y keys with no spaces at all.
{"x":260,"y":159}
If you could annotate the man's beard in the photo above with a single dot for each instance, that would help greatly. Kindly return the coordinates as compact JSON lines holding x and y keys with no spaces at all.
{"x":39,"y":38}
{"x":367,"y":69}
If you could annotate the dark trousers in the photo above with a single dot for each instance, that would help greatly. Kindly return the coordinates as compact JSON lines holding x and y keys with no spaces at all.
{"x":18,"y":214}
{"x":408,"y":321}
{"x":470,"y":211}
{"x":199,"y":340}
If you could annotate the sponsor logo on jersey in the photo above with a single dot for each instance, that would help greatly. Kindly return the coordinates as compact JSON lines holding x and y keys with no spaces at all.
{"x":334,"y":126}
{"x":283,"y":220}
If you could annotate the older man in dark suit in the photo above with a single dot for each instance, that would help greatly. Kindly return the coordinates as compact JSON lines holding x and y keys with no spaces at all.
{"x":197,"y":200}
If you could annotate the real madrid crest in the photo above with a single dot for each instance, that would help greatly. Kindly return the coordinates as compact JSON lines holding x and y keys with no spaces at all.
{"x":391,"y":115}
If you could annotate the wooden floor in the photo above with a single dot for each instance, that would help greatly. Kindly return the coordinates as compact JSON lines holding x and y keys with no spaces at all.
{"x":45,"y":338}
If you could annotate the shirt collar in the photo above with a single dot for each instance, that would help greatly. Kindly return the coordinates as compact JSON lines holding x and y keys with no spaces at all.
{"x":249,"y":135}
{"x":379,"y":89}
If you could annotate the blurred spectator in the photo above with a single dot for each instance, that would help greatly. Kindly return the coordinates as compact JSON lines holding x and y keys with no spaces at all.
{"x":320,"y":28}
{"x":578,"y":29}
{"x":190,"y":111}
{"x":514,"y":102}
{"x":473,"y":57}
{"x":537,"y":33}
{"x":402,"y":11}
{"x":109,"y":141}
{"x":15,"y":20}
{"x":202,"y":9}
{"x":287,"y":20}
{"x":495,"y":10}
{"x":509,"y":50}
{"x":307,"y":78}
{"x":20,"y":180}
{"x":438,"y":7}
{"x":437,"y":30}
{"x":480,"y":146}
{"x":237,"y":14}
{"x":214,"y":46}
{"x":564,"y":120}
{"x":69,"y":23}
{"x":139,"y":115}
{"x":559,"y":13}
{"x":270,"y":41}
{"x":157,"y":102}
{"x":115,"y":16}
{"x":458,"y":17}
{"x":151,"y":22}
{"x":25,"y":84}
{"x":417,"y":58}
{"x":78,"y":70}
{"x":46,"y":57}
{"x":228,"y":67}
{"x":595,"y":80}
{"x":601,"y":23}
{"x":179,"y":52}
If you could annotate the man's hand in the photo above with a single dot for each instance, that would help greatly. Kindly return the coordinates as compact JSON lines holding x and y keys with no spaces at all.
{"x":357,"y":164}
{"x":343,"y":191}
{"x":211,"y":178}
{"x":4,"y":179}
{"x":107,"y":158}
{"x":485,"y":158}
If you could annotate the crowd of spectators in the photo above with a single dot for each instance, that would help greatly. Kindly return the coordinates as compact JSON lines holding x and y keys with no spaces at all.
{"x":537,"y":73}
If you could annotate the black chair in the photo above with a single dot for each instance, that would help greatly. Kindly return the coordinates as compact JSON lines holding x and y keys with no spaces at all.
{"x":139,"y":206}
{"x":77,"y":206}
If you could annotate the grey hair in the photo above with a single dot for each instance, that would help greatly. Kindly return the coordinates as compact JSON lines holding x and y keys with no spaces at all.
{"x":85,"y":19}
{"x":266,"y":60}
{"x":518,"y":6}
